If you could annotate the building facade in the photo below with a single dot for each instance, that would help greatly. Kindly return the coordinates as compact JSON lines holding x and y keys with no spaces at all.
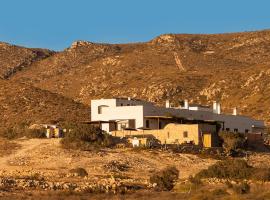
{"x":127,"y":113}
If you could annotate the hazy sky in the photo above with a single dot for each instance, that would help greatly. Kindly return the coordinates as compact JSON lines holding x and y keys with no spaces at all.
{"x":55,"y":24}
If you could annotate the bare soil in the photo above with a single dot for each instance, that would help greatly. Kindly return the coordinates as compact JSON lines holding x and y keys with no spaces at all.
{"x":46,"y":157}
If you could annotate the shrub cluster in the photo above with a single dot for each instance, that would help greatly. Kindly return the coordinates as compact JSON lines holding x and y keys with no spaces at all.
{"x":79,"y":172}
{"x":22,"y":131}
{"x":85,"y":137}
{"x":235,"y":169}
{"x":232,"y":141}
{"x":165,"y":179}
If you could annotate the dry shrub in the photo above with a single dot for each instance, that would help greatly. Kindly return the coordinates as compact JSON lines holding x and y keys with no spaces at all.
{"x":235,"y":169}
{"x":79,"y":172}
{"x":86,"y":137}
{"x":261,"y":174}
{"x":165,"y":179}
{"x":35,"y":133}
{"x":116,"y":166}
{"x":232,"y":169}
{"x":232,"y":141}
{"x":241,"y":188}
{"x":21,"y":131}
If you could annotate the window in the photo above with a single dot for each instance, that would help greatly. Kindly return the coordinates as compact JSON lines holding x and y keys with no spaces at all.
{"x":147,"y":123}
{"x":246,"y":131}
{"x":121,"y":104}
{"x":159,"y":125}
{"x":100,"y":110}
{"x":185,"y":134}
{"x":227,"y":129}
{"x":168,"y":134}
{"x":235,"y":130}
{"x":128,"y":104}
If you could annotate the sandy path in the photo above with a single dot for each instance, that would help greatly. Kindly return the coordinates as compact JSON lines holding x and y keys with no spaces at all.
{"x":26,"y":146}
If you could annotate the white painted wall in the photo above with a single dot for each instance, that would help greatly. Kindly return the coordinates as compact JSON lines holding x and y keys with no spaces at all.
{"x":123,"y":109}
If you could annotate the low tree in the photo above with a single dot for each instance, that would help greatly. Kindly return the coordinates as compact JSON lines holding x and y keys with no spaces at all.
{"x":232,"y":141}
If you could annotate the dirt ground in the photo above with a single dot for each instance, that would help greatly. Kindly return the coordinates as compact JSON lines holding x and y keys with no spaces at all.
{"x":46,"y":157}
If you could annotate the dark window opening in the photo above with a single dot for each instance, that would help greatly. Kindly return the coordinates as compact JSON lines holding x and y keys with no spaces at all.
{"x":121,"y":104}
{"x":147,"y":124}
{"x":159,"y":125}
{"x":235,"y":130}
{"x":227,"y":129}
{"x":185,"y":134}
{"x":246,"y":131}
{"x":100,"y":110}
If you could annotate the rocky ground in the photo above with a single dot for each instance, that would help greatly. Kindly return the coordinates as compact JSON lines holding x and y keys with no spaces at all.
{"x":42,"y":164}
{"x":40,"y":167}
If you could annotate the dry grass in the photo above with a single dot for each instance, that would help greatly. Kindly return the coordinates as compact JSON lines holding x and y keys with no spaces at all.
{"x":7,"y":147}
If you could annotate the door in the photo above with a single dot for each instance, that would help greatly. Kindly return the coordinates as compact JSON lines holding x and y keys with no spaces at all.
{"x":207,"y":140}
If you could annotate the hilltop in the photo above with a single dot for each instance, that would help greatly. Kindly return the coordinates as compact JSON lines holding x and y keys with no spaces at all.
{"x":233,"y":68}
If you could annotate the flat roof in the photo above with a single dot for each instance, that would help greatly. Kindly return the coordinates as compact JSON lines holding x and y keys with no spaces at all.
{"x":158,"y":117}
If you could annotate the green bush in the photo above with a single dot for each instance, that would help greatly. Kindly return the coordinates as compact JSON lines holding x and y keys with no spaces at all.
{"x":165,"y":179}
{"x":86,"y":137}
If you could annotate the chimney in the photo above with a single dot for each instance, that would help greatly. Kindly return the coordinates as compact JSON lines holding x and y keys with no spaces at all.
{"x":214,"y":107}
{"x":186,"y":106}
{"x":167,"y":105}
{"x":235,"y":111}
{"x":218,"y":108}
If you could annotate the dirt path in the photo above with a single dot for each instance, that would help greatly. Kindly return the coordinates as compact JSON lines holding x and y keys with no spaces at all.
{"x":25,"y":147}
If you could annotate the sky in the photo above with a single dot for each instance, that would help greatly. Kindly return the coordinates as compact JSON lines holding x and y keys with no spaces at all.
{"x":55,"y":24}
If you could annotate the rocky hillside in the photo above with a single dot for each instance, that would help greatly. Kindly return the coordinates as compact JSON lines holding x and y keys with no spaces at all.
{"x":233,"y":68}
{"x":14,"y":58}
{"x":24,"y":104}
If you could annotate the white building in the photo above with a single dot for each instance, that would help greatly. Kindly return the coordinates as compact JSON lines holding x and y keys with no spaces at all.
{"x":123,"y":113}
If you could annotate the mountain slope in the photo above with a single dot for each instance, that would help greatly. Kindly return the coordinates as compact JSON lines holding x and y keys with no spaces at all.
{"x":233,"y":68}
{"x":15,"y":58}
{"x":20,"y":103}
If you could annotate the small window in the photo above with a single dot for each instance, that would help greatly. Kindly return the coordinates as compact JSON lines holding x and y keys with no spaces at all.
{"x":235,"y":130}
{"x":168,"y":134}
{"x":147,"y":123}
{"x":100,"y":110}
{"x":227,"y":129}
{"x":159,"y":125}
{"x":121,"y":104}
{"x":128,"y":104}
{"x":246,"y":131}
{"x":185,"y":134}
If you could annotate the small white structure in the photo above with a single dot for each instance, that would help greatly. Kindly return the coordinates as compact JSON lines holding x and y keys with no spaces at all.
{"x":127,"y":113}
{"x":135,"y":142}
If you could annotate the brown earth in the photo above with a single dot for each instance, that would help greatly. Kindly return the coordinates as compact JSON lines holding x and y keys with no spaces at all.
{"x":232,"y":68}
{"x":44,"y":158}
